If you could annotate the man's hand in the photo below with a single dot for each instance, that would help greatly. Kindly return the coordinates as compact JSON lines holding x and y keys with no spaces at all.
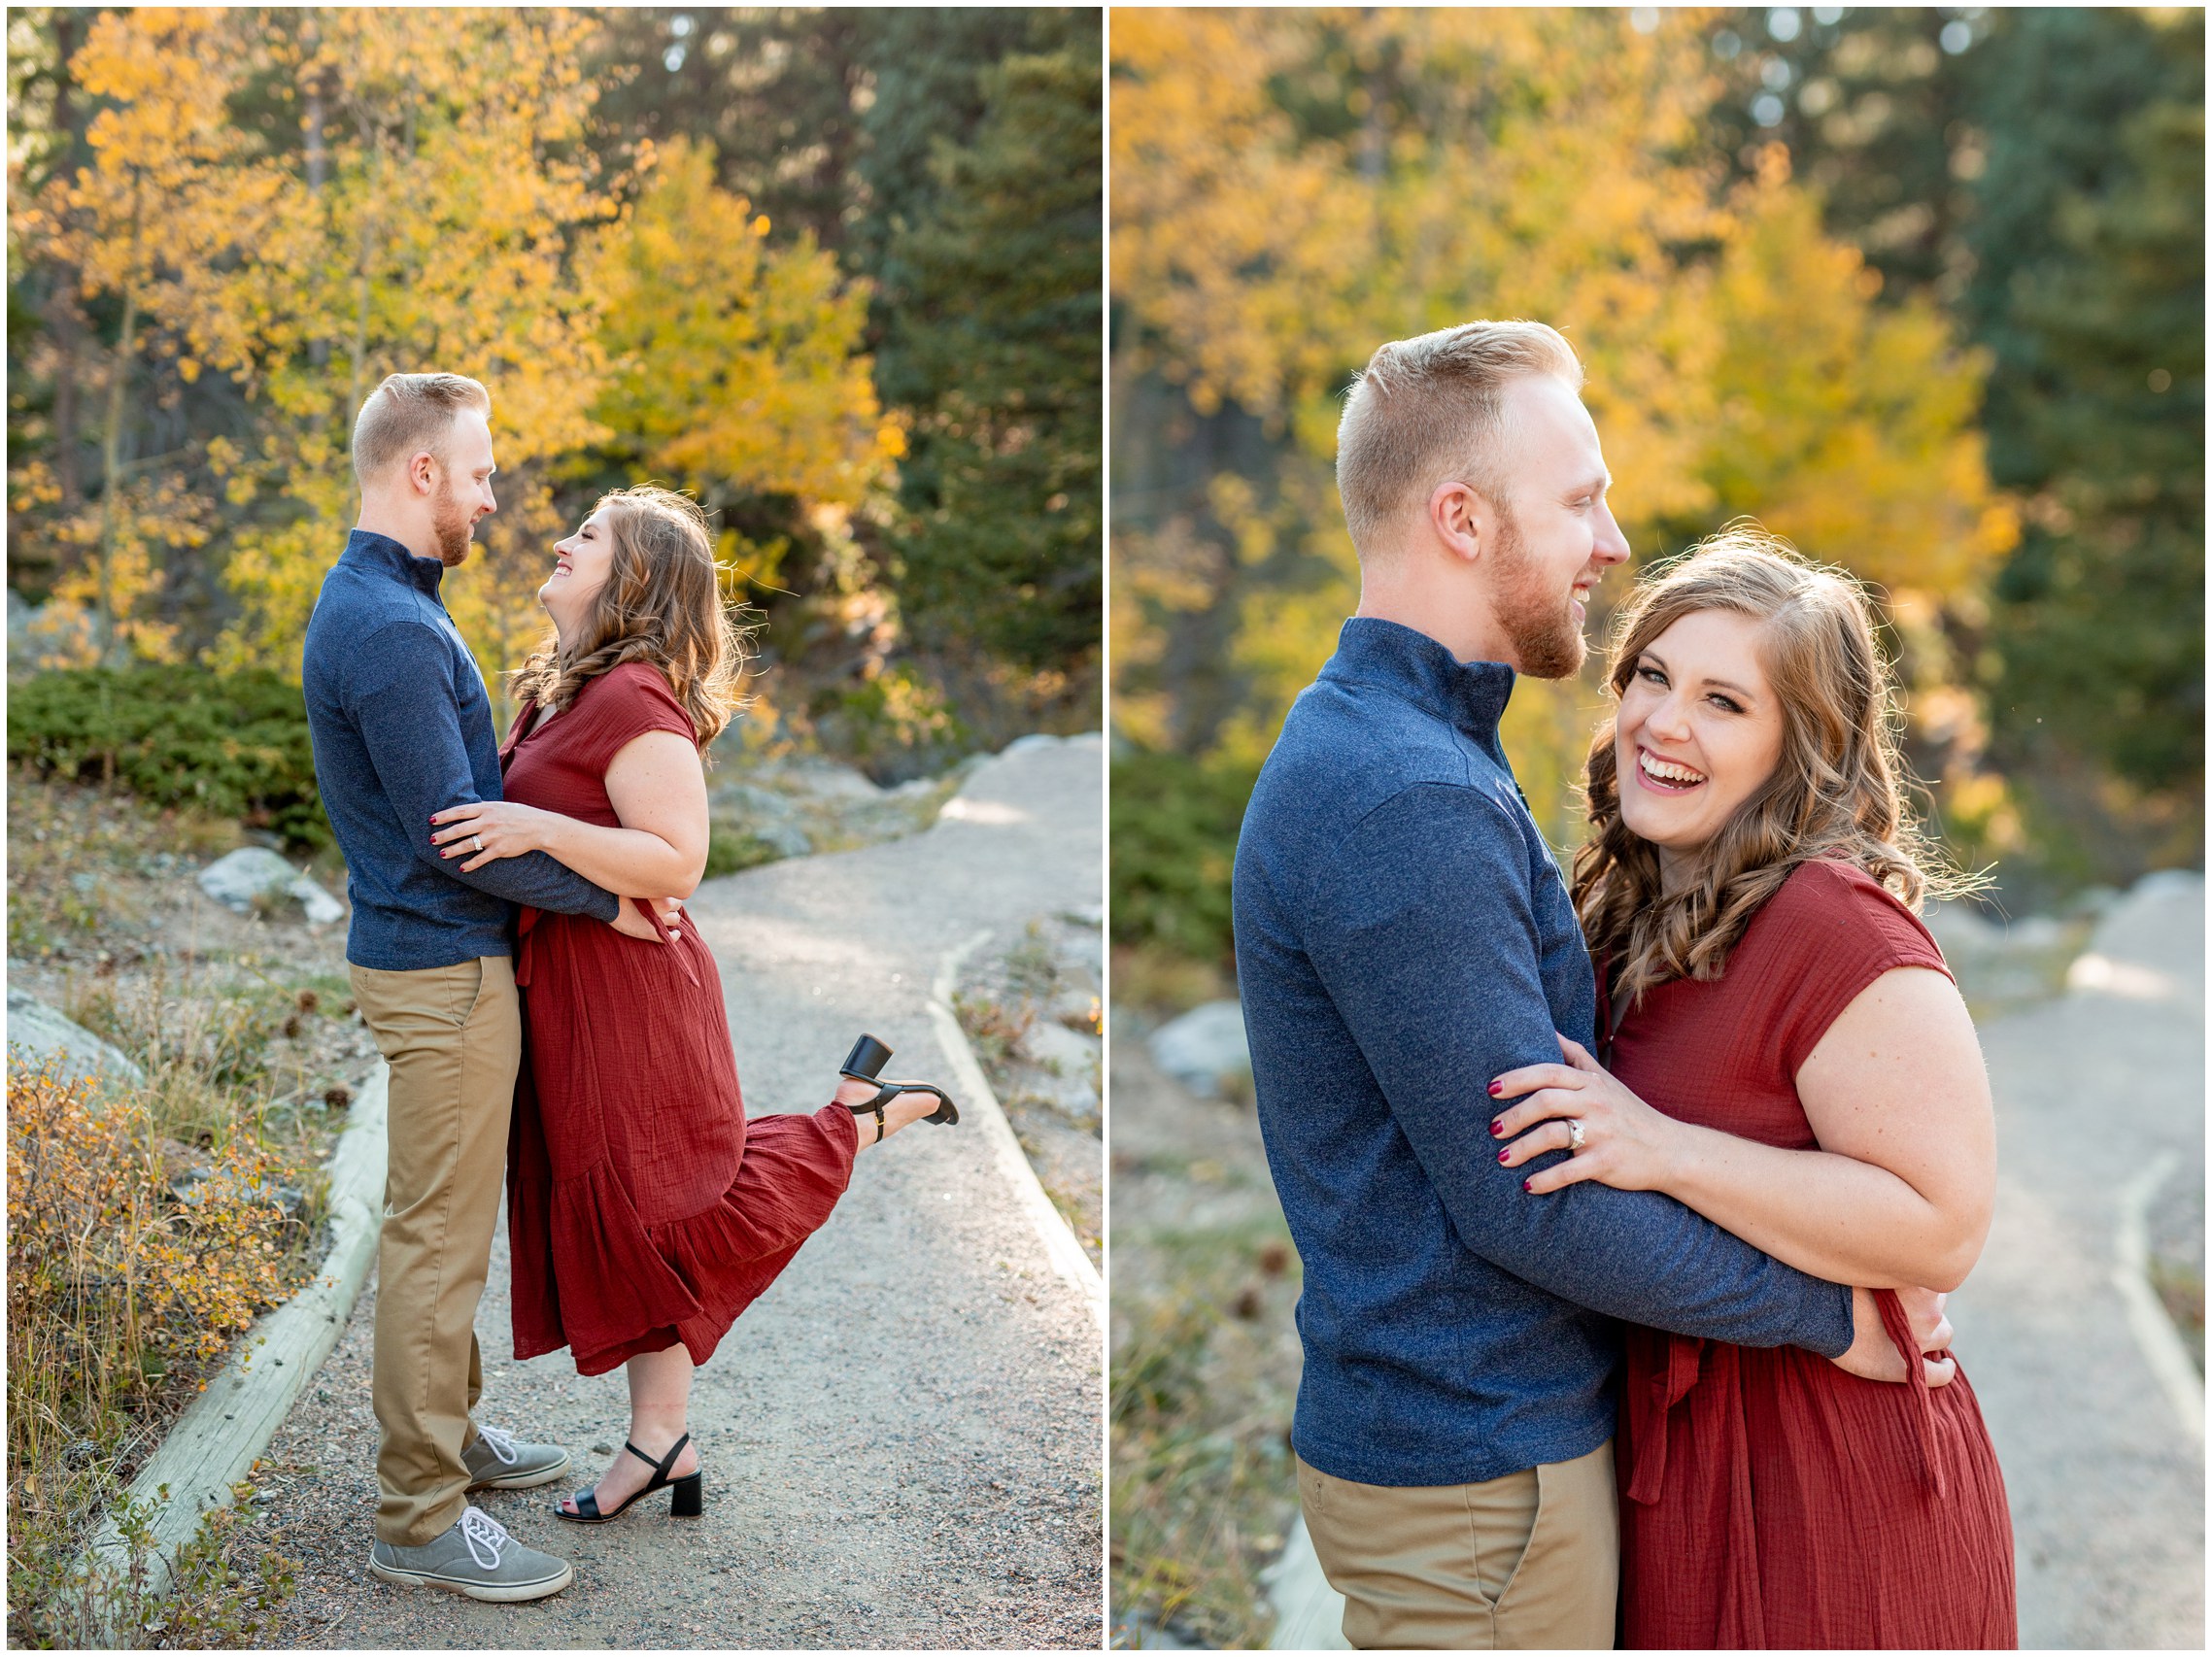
{"x":632,"y":923}
{"x":1874,"y":1356}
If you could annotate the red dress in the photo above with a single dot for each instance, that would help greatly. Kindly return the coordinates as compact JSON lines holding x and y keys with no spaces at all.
{"x":643,"y":1208}
{"x":1770,"y":1499}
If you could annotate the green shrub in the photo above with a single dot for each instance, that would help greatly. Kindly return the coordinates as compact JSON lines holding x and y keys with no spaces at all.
{"x":729,"y":850}
{"x":1174,"y":825}
{"x":231,"y":744}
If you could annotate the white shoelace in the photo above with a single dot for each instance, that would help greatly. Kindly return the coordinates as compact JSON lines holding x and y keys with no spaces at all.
{"x":483,"y":1535}
{"x":503,"y":1443}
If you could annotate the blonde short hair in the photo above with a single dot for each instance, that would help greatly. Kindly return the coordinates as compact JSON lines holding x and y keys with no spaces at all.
{"x":1429,"y":410}
{"x":410,"y":413}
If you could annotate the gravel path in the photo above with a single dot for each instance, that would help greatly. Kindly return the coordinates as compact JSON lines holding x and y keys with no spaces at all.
{"x":2107,"y":1492}
{"x":903,"y":1437}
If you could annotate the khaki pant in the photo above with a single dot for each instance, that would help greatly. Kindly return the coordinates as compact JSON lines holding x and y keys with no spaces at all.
{"x":453,"y":1037}
{"x":1527,"y":1562}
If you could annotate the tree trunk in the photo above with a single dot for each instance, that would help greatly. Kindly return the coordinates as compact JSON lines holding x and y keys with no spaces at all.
{"x":318,"y":172}
{"x":111,"y":442}
{"x":62,"y":318}
{"x":111,"y":456}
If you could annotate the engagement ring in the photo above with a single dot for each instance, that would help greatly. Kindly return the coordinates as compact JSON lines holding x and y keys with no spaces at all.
{"x":480,"y":842}
{"x":1574,"y":1137}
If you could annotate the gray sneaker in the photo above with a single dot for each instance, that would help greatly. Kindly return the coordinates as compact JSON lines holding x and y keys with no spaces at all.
{"x":499,"y":1461}
{"x":478,"y":1558}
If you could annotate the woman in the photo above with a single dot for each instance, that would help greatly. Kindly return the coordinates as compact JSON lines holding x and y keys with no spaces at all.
{"x":645,"y":1212}
{"x":1791,"y":1057}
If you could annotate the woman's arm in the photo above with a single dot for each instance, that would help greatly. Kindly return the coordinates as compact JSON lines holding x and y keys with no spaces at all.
{"x":657,"y":788}
{"x":1899,"y":1196}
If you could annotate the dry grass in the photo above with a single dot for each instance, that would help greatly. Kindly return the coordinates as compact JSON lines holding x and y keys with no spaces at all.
{"x":125,"y":1284}
{"x":1162,"y":983}
{"x":1016,"y":1007}
{"x":149,"y":1225}
{"x":1205,"y":1363}
{"x":1203,"y":1482}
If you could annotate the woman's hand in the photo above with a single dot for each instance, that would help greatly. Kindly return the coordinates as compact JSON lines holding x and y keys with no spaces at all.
{"x":1873,"y":1356}
{"x":1625,"y":1143}
{"x":488,"y":831}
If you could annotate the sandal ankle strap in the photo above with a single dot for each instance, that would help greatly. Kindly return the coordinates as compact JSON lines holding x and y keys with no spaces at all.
{"x":659,"y":1468}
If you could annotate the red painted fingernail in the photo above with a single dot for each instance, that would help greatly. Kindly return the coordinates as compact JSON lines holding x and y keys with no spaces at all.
{"x":1497,"y":1125}
{"x":1503,"y":1154}
{"x":1495,"y":1090}
{"x":1524,"y":1185}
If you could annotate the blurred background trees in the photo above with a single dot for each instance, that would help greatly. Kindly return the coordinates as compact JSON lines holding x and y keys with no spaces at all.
{"x":1922,"y":290}
{"x":825,"y":269}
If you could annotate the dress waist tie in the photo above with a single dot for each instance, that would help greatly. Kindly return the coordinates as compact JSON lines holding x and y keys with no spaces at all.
{"x":524,"y":927}
{"x":1669,"y":1384}
{"x":1922,"y":1406}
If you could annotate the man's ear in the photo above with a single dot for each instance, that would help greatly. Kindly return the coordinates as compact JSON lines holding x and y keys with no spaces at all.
{"x":1459,"y":518}
{"x":423,"y":472}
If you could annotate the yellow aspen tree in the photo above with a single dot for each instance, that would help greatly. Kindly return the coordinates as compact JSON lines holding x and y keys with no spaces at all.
{"x":437,"y":237}
{"x":426,"y":221}
{"x":734,"y":360}
{"x":126,"y":225}
{"x":1292,"y":189}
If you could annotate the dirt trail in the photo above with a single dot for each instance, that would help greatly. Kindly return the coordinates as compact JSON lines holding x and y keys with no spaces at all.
{"x":2107,"y":1490}
{"x":901,"y":1438}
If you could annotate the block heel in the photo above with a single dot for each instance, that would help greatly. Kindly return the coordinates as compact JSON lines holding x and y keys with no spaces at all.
{"x":865,"y":1064}
{"x":687,"y":1498}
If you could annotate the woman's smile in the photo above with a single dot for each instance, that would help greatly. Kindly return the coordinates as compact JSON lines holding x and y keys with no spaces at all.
{"x":1665,"y":776}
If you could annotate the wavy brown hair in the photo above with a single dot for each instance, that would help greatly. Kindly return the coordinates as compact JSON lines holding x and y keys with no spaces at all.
{"x":1837,"y":791}
{"x":662,"y":603}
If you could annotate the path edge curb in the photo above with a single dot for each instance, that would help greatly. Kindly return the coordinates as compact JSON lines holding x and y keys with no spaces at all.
{"x":981,"y":1105}
{"x":212,"y":1444}
{"x":2154,"y":1333}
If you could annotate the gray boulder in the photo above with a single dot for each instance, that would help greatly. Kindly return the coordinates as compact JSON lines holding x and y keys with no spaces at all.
{"x":1063,"y":1051}
{"x":41,"y":1032}
{"x":254,"y":872}
{"x":1205,"y":1048}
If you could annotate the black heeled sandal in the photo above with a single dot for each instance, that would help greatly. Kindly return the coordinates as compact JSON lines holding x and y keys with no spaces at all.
{"x":865,"y":1064}
{"x":687,"y":1501}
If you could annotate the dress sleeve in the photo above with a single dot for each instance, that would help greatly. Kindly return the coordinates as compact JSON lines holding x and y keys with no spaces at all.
{"x":1836,"y":931}
{"x":626,"y":703}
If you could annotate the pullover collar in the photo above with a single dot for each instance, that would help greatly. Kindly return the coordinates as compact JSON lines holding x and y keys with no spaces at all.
{"x":367,"y":550}
{"x":1471,"y":697}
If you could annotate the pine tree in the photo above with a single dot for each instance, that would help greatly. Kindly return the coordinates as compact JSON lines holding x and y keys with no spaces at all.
{"x":992,"y":297}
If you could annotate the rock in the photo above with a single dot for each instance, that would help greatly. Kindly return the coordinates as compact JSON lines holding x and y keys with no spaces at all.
{"x":827,"y":780}
{"x":249,"y":872}
{"x":321,"y":908}
{"x":1083,"y":952}
{"x":41,"y":1032}
{"x":1959,"y":927}
{"x":1065,"y":1052}
{"x":1074,"y":1005}
{"x":1204,"y":1048}
{"x":255,"y":873}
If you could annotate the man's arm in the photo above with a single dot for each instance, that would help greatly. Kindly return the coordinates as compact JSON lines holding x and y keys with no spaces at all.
{"x":1423,"y":934}
{"x":400,"y":695}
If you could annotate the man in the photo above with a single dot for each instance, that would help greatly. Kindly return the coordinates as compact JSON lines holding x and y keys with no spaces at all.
{"x":1403,"y":935}
{"x":402,"y":728}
